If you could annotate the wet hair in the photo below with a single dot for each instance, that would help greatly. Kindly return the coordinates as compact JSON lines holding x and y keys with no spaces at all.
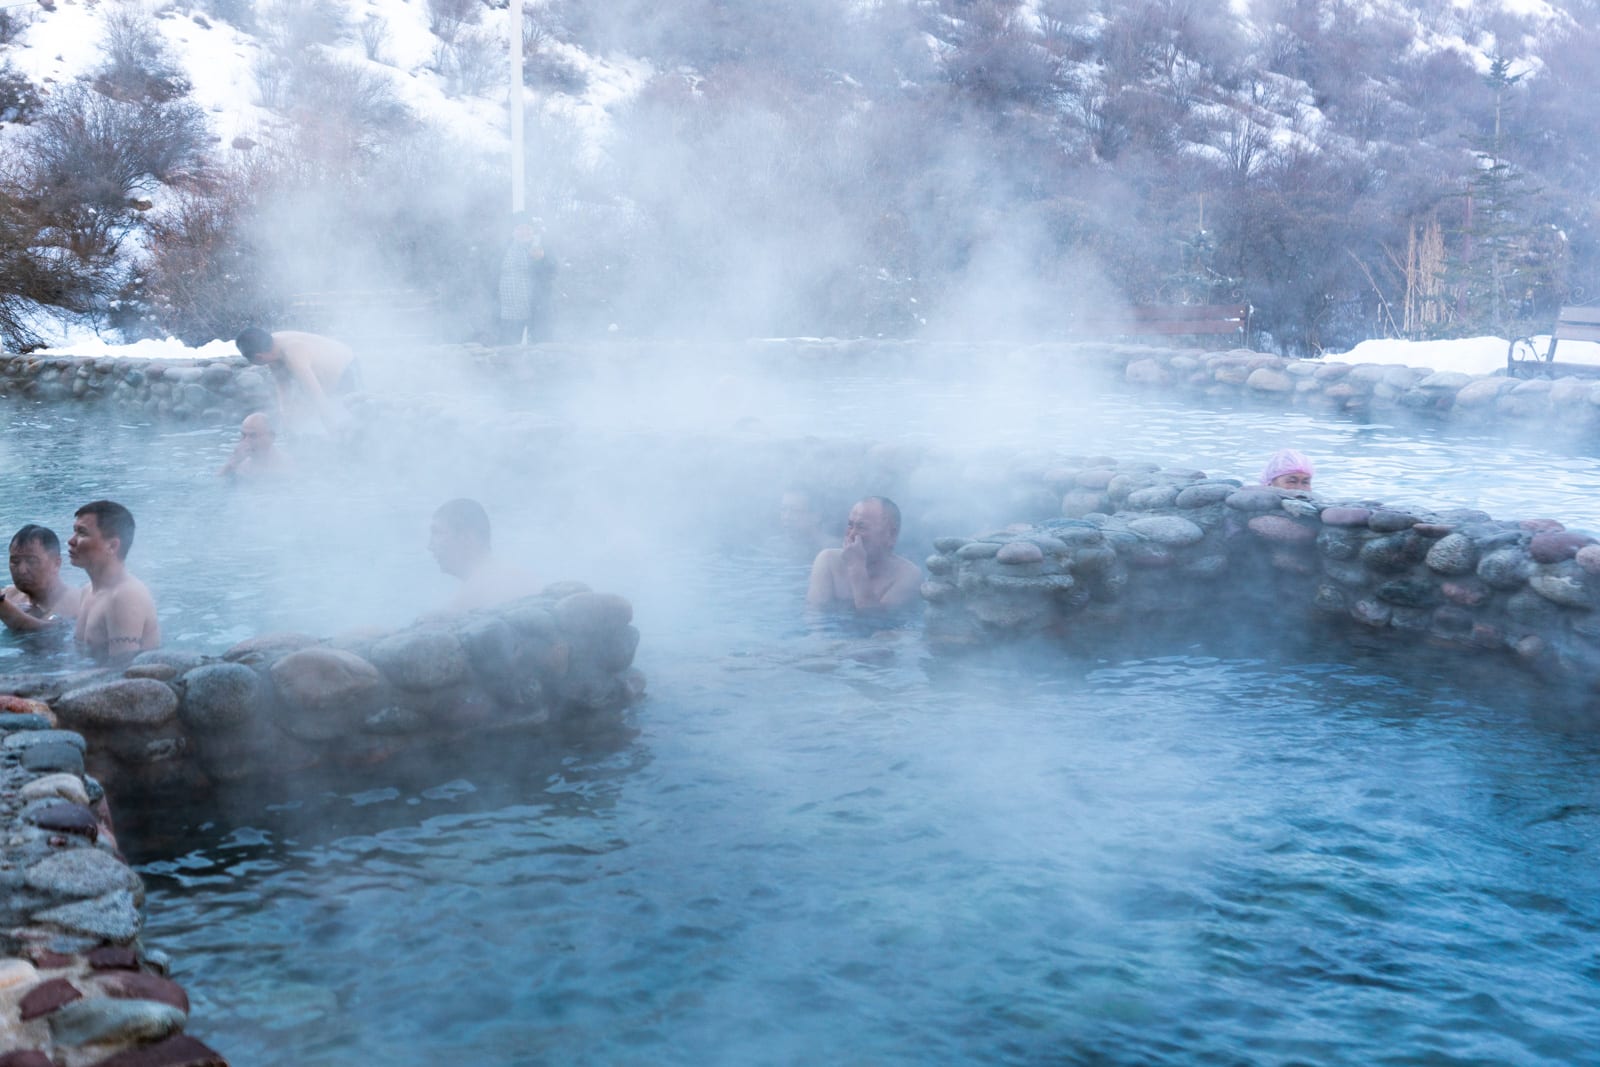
{"x":465,"y":515}
{"x":34,"y":534}
{"x":253,"y":342}
{"x":890,"y":509}
{"x":113,"y":520}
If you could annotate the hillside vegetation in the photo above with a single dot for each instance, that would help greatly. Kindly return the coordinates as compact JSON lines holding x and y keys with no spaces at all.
{"x":950,"y":168}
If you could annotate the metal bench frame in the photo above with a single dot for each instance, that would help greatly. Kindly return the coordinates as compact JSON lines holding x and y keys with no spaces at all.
{"x":1524,"y":360}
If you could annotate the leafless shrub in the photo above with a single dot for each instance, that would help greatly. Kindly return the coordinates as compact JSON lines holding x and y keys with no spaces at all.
{"x":273,"y":76}
{"x":293,"y":26}
{"x":446,"y":18}
{"x":543,"y":66}
{"x":204,"y":273}
{"x":137,"y":65}
{"x":469,"y":64}
{"x":18,"y":96}
{"x":374,"y":36}
{"x":88,"y":153}
{"x":11,"y":25}
{"x":37,"y":271}
{"x":341,"y":109}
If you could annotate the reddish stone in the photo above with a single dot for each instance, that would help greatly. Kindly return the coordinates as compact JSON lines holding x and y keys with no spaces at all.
{"x":1555,"y":547}
{"x":179,"y":1050}
{"x":46,"y":997}
{"x":1346,"y":516}
{"x":1486,"y":636}
{"x":1468,"y":594}
{"x":137,"y":985}
{"x":1588,"y":558}
{"x":1541,"y":526}
{"x":113,"y":958}
{"x":1281,"y":528}
{"x":47,"y":960}
{"x":26,"y":1058}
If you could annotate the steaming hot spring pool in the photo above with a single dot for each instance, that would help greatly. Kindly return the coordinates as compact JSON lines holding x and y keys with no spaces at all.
{"x":823,"y":847}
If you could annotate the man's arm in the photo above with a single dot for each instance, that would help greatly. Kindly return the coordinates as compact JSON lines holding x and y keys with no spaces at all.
{"x":819,"y":594}
{"x":17,"y":619}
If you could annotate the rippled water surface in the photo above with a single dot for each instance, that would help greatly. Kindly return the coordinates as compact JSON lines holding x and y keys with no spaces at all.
{"x":830,"y":846}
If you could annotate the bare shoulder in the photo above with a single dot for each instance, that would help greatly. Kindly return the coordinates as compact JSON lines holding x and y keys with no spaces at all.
{"x":134,"y":593}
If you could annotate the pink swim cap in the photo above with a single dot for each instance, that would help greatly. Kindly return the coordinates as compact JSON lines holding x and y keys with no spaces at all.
{"x":1286,"y":461}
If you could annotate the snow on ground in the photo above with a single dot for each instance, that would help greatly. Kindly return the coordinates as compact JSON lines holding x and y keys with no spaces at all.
{"x":1472,"y":355}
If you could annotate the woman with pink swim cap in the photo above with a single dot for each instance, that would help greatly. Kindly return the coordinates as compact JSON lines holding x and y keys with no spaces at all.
{"x":1288,"y":469}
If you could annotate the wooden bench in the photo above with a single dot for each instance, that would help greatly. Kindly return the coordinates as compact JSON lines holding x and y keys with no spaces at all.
{"x":1524,"y":360}
{"x":1179,"y":320}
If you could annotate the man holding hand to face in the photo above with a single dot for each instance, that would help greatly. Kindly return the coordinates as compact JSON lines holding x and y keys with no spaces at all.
{"x":865,"y":575}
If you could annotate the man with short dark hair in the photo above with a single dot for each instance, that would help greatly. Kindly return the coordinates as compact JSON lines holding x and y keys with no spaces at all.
{"x":117,"y":618}
{"x":865,"y":574}
{"x":323,"y":369}
{"x":37,"y":598}
{"x":459,"y":541}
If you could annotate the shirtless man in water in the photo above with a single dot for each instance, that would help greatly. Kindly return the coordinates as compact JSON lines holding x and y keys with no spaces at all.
{"x":37,"y":598}
{"x":324,"y":369}
{"x":117,"y":618}
{"x":459,"y":541}
{"x":865,"y":574}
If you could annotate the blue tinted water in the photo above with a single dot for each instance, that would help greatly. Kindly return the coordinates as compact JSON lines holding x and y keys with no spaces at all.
{"x":823,"y":847}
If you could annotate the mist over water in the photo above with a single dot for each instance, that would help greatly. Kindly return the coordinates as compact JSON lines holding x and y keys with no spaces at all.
{"x":824,"y":845}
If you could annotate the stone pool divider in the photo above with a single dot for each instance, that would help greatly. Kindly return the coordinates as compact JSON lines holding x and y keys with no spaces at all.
{"x":76,"y":986}
{"x":206,"y":389}
{"x":226,"y":388}
{"x":1141,"y":550}
{"x":554,"y":668}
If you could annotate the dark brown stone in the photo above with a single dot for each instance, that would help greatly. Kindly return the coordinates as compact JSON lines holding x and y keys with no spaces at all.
{"x":67,"y":819}
{"x":1433,"y":529}
{"x":46,"y":997}
{"x":48,"y":960}
{"x":26,"y":1058}
{"x":179,"y":1050}
{"x":138,"y":985}
{"x":113,"y":958}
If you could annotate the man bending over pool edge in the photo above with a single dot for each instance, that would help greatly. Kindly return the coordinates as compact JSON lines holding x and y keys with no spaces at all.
{"x":865,"y":574}
{"x":117,"y":619}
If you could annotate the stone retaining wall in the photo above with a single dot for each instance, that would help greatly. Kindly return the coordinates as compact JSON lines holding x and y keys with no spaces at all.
{"x":550,"y":666}
{"x":1363,"y":388}
{"x":76,"y":986}
{"x":227,"y":389}
{"x":1141,"y":550}
{"x":213,"y":390}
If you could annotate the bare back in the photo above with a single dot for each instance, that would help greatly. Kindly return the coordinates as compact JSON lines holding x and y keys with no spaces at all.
{"x":311,"y":354}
